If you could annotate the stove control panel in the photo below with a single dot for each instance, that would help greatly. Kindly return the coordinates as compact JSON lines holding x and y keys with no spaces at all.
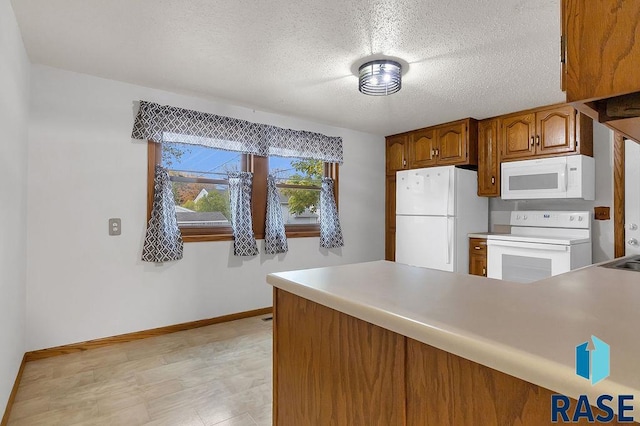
{"x":551,"y":219}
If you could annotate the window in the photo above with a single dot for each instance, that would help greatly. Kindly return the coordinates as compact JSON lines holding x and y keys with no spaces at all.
{"x":200,"y":187}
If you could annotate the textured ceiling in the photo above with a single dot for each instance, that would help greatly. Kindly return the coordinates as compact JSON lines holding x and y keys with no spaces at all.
{"x":467,"y":58}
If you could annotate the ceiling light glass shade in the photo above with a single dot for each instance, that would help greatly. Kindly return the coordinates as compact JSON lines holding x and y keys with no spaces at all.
{"x":380,"y":78}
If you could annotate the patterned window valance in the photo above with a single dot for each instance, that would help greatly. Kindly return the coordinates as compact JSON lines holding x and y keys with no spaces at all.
{"x":163,"y":123}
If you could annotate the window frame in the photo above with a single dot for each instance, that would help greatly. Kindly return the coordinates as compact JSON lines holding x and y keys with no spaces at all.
{"x":259,"y":166}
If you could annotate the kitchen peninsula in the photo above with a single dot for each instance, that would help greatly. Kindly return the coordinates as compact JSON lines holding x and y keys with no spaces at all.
{"x":381,"y":343}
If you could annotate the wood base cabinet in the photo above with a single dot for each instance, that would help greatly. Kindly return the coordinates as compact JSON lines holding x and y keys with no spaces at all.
{"x":333,"y":369}
{"x":330,"y":368}
{"x":478,"y":256}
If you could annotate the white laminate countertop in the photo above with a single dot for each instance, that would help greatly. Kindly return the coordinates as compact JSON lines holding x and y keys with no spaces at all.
{"x":529,"y":331}
{"x":479,"y":234}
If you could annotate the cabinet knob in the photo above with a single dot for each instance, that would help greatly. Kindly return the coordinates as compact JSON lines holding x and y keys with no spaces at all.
{"x":538,"y":140}
{"x":493,"y":180}
{"x":484,"y":272}
{"x":532,"y":143}
{"x":404,"y":162}
{"x":477,"y":247}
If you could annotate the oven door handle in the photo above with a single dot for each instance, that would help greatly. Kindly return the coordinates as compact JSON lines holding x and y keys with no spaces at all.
{"x":525,"y":245}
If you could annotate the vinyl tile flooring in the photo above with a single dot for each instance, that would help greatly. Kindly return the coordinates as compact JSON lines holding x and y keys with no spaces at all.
{"x":216,"y":375}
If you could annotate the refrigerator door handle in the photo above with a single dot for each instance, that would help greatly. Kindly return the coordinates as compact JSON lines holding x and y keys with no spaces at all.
{"x":448,"y":193}
{"x":449,"y":237}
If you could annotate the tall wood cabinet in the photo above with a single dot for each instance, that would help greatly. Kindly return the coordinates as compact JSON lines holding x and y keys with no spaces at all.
{"x":390,"y":218}
{"x":488,"y":158}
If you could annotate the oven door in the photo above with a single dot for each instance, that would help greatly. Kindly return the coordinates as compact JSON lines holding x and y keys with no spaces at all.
{"x":524,"y":262}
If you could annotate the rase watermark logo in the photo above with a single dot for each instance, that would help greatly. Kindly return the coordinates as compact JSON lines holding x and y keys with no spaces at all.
{"x":593,"y":365}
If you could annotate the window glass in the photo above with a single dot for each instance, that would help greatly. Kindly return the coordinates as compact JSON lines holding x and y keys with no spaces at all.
{"x":199,"y":180}
{"x":298,"y":181}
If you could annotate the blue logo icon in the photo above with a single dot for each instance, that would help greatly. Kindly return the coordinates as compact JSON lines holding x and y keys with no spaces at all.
{"x":593,"y":363}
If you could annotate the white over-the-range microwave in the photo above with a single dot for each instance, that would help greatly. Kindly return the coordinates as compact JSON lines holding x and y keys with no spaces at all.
{"x":571,"y":176}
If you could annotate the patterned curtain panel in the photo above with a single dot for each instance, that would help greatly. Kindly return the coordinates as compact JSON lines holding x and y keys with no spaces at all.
{"x":244,"y":242}
{"x":162,"y":123}
{"x":163,"y":241}
{"x":275,"y":238}
{"x":330,"y":231}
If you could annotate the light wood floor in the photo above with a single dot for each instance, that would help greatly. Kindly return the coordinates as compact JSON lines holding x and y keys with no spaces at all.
{"x":216,"y":375}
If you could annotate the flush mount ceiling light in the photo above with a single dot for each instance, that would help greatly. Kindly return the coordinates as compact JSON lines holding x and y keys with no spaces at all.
{"x":380,"y":78}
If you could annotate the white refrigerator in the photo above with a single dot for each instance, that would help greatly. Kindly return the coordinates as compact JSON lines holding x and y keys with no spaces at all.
{"x":436,"y":208}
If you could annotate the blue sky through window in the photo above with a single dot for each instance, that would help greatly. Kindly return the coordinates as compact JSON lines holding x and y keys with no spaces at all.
{"x":210,"y":160}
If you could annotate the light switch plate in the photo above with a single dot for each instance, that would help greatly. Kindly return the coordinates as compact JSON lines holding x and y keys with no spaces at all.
{"x":115,"y":226}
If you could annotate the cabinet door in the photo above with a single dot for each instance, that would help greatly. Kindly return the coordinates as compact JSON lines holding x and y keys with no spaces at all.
{"x":396,"y":153}
{"x":422,"y":147}
{"x":478,"y":265}
{"x":556,"y":131}
{"x":452,"y":144}
{"x":390,"y":219}
{"x":518,"y":136}
{"x":602,"y":48}
{"x":488,"y":159}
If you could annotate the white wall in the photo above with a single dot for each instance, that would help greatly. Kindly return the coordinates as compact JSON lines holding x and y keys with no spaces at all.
{"x":602,"y":230}
{"x":84,"y":168}
{"x":14,"y":109}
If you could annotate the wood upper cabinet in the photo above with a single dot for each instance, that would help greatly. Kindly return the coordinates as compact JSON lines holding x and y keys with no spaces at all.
{"x":452,"y":143}
{"x":550,"y":131}
{"x":488,"y":158}
{"x":556,"y":130}
{"x":422,"y":148}
{"x":518,"y":135}
{"x":396,"y":153}
{"x":599,"y":53}
{"x":601,"y":42}
{"x":444,"y":145}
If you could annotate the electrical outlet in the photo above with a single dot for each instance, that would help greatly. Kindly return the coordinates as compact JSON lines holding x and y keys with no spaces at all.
{"x":115,"y":226}
{"x":601,"y":213}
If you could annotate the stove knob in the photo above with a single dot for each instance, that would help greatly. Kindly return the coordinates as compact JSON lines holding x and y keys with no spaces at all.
{"x":572,"y":218}
{"x":517,"y":217}
{"x":524,"y":217}
{"x":580,"y":218}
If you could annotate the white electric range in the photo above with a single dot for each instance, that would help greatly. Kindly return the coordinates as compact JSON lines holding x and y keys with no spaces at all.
{"x":541,"y":244}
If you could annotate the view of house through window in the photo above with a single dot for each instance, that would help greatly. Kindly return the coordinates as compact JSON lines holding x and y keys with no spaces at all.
{"x":199,"y":176}
{"x":298,"y":182}
{"x":199,"y":179}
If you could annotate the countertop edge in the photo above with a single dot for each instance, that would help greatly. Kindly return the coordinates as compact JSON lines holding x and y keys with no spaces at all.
{"x":507,"y":359}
